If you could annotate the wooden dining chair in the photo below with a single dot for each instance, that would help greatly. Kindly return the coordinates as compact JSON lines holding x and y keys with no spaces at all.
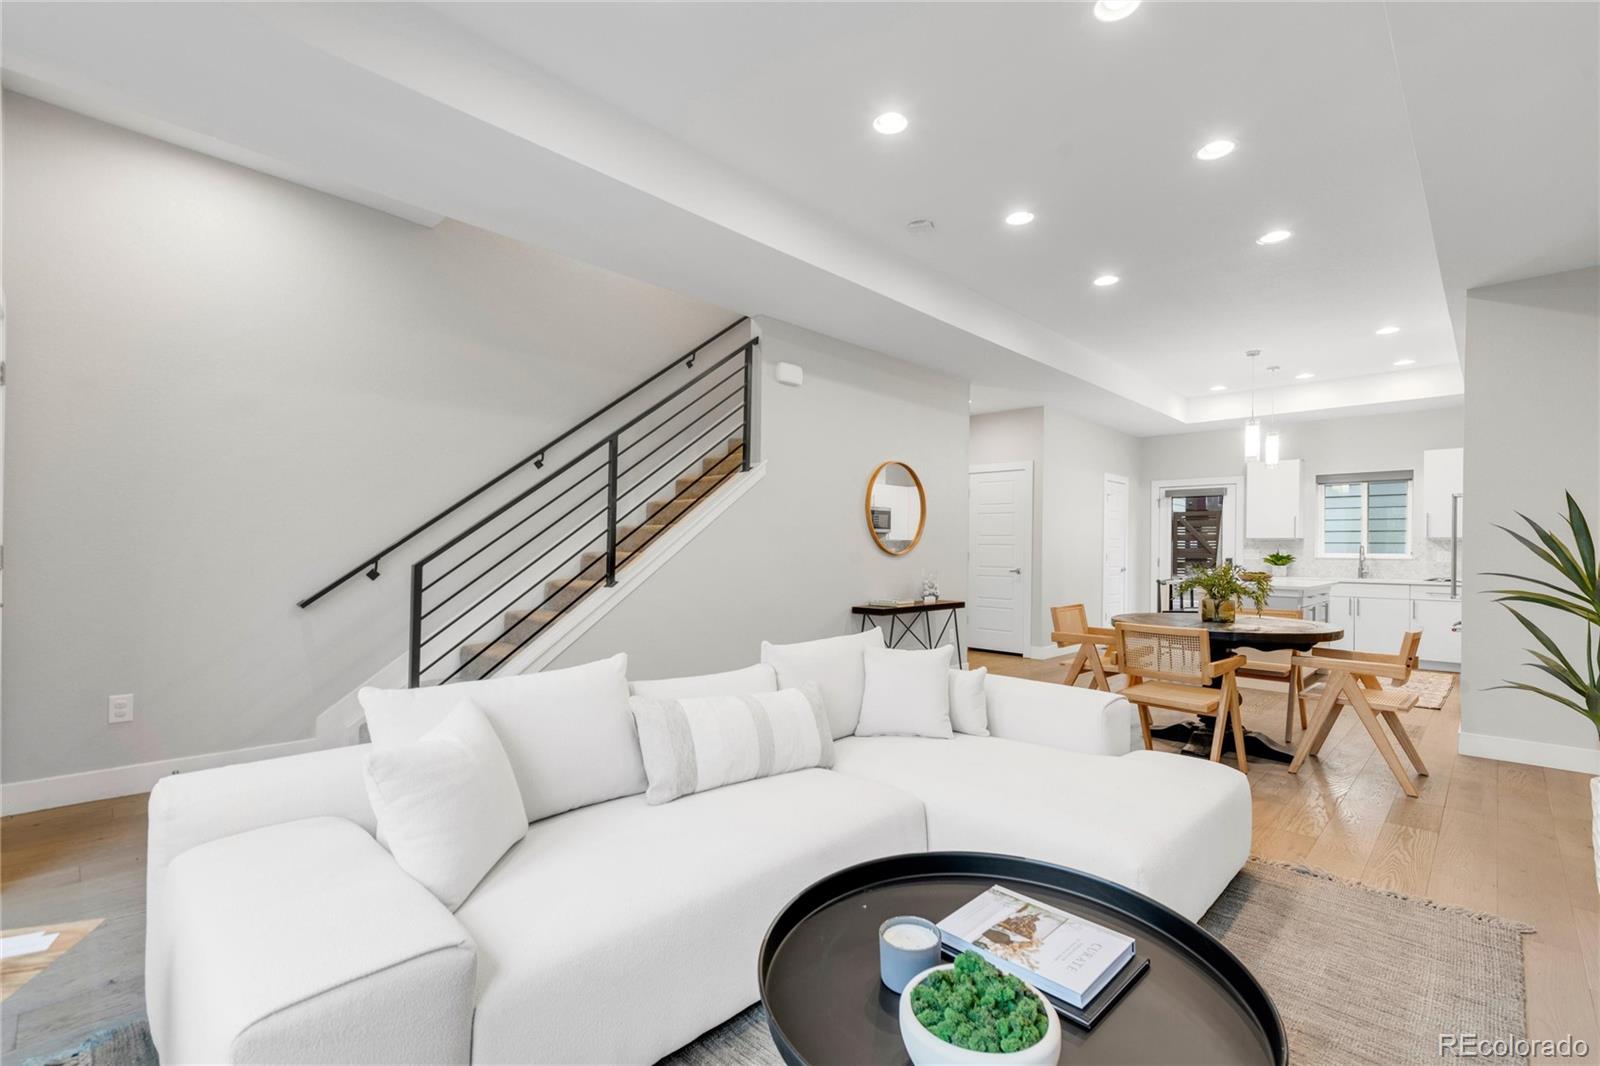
{"x":1070,"y":624}
{"x":1258,"y":667}
{"x":1170,"y":667}
{"x":1352,"y":680}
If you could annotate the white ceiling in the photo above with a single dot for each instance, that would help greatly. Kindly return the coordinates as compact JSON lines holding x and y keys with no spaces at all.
{"x":726,"y":150}
{"x":1093,"y":127}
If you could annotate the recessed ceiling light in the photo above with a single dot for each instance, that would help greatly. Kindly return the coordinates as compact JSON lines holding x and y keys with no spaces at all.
{"x":1215,"y":150}
{"x":1276,"y":236}
{"x":890,"y":122}
{"x":1304,"y":375}
{"x":1105,"y":280}
{"x":1019,"y":218}
{"x":1114,"y":10}
{"x":920,"y":226}
{"x":1388,"y":331}
{"x":1218,"y":388}
{"x":1404,"y":362}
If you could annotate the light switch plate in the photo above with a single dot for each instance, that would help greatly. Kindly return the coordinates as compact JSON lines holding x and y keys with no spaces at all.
{"x":119,"y":709}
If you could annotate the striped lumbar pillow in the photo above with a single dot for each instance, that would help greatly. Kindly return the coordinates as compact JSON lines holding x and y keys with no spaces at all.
{"x":700,"y":743}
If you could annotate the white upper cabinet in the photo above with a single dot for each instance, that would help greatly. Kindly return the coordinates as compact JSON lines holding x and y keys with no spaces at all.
{"x":1272,"y":501}
{"x":1442,"y":478}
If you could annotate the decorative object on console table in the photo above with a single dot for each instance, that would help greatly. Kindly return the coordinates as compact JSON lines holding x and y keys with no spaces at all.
{"x":1578,"y":594}
{"x":898,"y":629}
{"x":1224,"y":587}
{"x":930,"y":587}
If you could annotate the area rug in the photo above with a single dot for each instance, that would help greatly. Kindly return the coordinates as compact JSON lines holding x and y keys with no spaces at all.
{"x":1361,"y":977}
{"x":1430,"y":687}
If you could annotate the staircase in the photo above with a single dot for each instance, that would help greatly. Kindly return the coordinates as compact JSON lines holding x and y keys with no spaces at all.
{"x":619,"y":479}
{"x":479,"y":659}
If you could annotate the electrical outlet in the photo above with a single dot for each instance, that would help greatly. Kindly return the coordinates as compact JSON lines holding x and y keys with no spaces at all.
{"x":119,"y":709}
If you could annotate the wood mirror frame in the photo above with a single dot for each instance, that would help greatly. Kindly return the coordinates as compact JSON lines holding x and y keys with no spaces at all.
{"x":922,"y":507}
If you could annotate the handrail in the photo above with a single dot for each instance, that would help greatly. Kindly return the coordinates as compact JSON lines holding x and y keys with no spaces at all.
{"x":586,"y":528}
{"x":370,"y":565}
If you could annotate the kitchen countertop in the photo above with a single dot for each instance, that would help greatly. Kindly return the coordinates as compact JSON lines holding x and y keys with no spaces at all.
{"x":1301,"y":584}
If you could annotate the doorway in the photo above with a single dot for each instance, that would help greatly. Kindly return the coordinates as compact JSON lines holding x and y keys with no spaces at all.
{"x":1194,"y":524}
{"x":1114,"y":550}
{"x":1000,"y":556}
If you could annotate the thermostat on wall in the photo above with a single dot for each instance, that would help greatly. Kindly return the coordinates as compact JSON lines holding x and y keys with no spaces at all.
{"x":790,"y":374}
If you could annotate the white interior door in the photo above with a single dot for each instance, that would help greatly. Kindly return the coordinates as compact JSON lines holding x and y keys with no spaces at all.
{"x":1000,"y":557}
{"x":1114,"y":550}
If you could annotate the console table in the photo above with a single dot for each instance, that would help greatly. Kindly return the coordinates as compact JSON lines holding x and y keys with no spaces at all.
{"x":898,"y":620}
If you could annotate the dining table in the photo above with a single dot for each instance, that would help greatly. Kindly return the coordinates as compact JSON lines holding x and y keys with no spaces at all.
{"x":1246,"y":630}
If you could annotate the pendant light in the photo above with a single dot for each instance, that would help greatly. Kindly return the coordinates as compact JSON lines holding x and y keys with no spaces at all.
{"x":1272,"y":447}
{"x":1252,"y":428}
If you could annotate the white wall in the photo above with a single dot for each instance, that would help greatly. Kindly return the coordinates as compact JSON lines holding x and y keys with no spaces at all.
{"x":223,"y":390}
{"x":1071,"y":458}
{"x":1325,"y":446}
{"x":1532,"y":434}
{"x":790,"y":558}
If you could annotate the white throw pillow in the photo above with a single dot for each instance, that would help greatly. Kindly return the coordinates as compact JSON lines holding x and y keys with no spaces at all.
{"x":700,"y":743}
{"x":758,"y":678}
{"x":907,"y":693}
{"x":834,"y":663}
{"x":447,"y":803}
{"x":969,"y":704}
{"x":568,"y":733}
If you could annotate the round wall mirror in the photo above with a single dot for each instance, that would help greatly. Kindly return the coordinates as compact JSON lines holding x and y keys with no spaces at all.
{"x":897,"y":509}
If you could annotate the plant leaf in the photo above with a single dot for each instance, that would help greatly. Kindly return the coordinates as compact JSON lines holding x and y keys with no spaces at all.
{"x":1581,"y":535}
{"x":1547,"y":695}
{"x":1566,"y":561}
{"x":1582,"y":610}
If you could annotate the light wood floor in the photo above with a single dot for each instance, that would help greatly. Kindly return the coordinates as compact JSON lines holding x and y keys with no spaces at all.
{"x":1493,"y":836}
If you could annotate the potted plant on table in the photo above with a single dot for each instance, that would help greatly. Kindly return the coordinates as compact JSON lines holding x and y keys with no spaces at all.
{"x":1279,"y":561}
{"x":1576,"y":593}
{"x":968,"y":1013}
{"x":1223,"y":587}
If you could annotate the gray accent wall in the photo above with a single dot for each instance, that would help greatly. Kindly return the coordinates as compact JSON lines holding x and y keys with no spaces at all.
{"x":1532,"y":434}
{"x":223,"y":389}
{"x":788,"y":560}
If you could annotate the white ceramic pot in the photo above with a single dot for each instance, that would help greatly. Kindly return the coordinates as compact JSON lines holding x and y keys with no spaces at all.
{"x":926,"y":1049}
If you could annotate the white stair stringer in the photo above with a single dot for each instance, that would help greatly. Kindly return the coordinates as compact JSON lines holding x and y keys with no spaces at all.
{"x":341,"y":723}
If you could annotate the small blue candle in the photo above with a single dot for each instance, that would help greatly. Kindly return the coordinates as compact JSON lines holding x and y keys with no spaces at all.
{"x":906,"y":946}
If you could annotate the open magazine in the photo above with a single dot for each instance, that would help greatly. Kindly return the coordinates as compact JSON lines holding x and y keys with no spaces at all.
{"x":1060,"y":954}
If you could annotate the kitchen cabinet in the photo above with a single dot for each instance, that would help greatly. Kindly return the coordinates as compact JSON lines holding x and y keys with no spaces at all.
{"x":1437,"y":618}
{"x":1272,"y":500}
{"x":1375,"y":616}
{"x":1443,"y":478}
{"x":1342,"y":613}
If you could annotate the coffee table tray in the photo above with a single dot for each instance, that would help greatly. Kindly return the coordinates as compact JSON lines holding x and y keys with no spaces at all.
{"x":818,"y":967}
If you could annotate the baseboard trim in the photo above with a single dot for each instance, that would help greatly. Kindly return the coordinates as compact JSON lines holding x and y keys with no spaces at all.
{"x":42,"y":793}
{"x":1530,"y":752}
{"x":1048,"y":651}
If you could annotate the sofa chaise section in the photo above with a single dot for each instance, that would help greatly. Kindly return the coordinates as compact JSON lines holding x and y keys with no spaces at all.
{"x":303,"y":942}
{"x":658,"y":911}
{"x":1174,"y":828}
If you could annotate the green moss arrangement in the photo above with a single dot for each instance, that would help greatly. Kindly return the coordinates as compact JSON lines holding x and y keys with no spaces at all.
{"x":976,"y":1007}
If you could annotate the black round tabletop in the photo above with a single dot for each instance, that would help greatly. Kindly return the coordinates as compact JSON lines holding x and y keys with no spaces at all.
{"x":825,"y":1003}
{"x":1246,"y":630}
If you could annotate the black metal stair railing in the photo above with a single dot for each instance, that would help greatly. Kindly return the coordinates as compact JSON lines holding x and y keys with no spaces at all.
{"x":492,"y":589}
{"x":369,"y":564}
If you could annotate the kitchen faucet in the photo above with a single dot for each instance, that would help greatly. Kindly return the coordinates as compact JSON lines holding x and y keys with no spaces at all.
{"x":1361,"y":561}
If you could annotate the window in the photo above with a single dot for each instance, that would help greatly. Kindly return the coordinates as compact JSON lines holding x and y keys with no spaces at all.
{"x":1371,"y":510}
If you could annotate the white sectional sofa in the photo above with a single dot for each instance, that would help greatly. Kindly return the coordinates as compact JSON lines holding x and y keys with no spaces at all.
{"x":281,"y":930}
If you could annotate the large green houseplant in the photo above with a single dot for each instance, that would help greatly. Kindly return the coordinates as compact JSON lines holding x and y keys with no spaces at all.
{"x":1576,"y":592}
{"x":1222,"y":587}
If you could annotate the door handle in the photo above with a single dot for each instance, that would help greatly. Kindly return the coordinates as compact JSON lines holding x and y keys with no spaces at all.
{"x":1016,"y":569}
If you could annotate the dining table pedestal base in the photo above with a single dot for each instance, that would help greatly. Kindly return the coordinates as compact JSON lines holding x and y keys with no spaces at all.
{"x":1195,"y":736}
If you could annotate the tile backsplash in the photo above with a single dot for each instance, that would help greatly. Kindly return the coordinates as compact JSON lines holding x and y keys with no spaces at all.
{"x":1431,"y":558}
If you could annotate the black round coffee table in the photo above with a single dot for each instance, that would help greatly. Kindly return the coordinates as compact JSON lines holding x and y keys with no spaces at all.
{"x":825,"y":1003}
